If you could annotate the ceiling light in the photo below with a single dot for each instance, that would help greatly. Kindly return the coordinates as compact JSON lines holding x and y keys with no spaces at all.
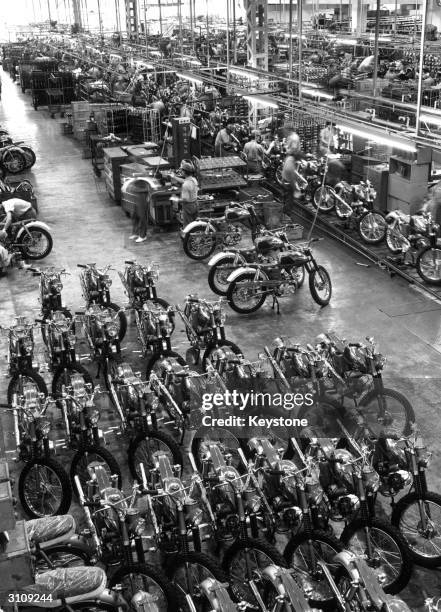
{"x":264,"y":101}
{"x":431,"y":119}
{"x":243,"y":73}
{"x":380,"y":138}
{"x":317,"y":94}
{"x":346,"y":41}
{"x":189,"y":77}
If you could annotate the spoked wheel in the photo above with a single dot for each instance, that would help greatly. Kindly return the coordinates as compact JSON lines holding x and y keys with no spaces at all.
{"x":87,"y":456}
{"x":224,"y":348}
{"x":324,"y":199}
{"x":389,"y":557}
{"x":188,"y":570}
{"x":146,"y":578}
{"x":428,"y":265}
{"x":14,"y":161}
{"x":35,"y":243}
{"x":244,"y":561}
{"x":419,"y":521}
{"x":320,"y":286}
{"x":63,"y":377}
{"x":29,"y":156}
{"x":147,"y":446}
{"x":25,"y":377}
{"x":394,"y":241}
{"x":227,"y":442}
{"x":387,"y":409}
{"x":322,"y":418}
{"x":372,"y":227}
{"x":159,"y":361}
{"x":219,"y":273}
{"x":61,"y":556}
{"x":303,"y":552}
{"x":246,"y":293}
{"x":44,"y":489}
{"x":199,"y":244}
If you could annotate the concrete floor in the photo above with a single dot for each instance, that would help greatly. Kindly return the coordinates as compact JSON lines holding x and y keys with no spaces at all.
{"x":87,"y":226}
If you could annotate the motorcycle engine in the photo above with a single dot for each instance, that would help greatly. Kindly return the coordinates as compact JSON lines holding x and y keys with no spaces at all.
{"x":233,"y":235}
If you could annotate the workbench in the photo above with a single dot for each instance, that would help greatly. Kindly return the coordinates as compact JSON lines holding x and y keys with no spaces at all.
{"x":219,"y":173}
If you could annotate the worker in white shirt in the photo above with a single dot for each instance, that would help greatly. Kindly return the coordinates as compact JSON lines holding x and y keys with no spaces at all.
{"x":254,"y":153}
{"x":328,"y":139}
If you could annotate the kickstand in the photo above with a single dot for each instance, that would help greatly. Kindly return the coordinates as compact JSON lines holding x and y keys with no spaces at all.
{"x":276,"y":301}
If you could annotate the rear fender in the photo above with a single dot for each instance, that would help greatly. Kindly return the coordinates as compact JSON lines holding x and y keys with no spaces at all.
{"x":216,"y":259}
{"x":200,"y":225}
{"x":234,"y":275}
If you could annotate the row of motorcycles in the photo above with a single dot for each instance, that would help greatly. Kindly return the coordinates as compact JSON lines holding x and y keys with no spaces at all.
{"x":15,"y":157}
{"x":274,"y":266}
{"x":214,"y":507}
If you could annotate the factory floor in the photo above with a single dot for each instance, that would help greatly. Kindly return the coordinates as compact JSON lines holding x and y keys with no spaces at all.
{"x":87,"y":226}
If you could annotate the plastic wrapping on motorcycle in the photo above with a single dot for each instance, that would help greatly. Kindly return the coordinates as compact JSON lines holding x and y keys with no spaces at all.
{"x":49,"y":527}
{"x":68,"y":582}
{"x":395,"y":604}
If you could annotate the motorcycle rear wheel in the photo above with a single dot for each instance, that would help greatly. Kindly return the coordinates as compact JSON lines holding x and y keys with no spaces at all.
{"x":388,"y":407}
{"x":217,"y":277}
{"x":225,"y":346}
{"x":50,"y":480}
{"x":154,"y":363}
{"x":29,"y":156}
{"x":13,"y":161}
{"x":62,"y":376}
{"x":372,"y":227}
{"x":428,"y":265}
{"x":16,"y":383}
{"x":226,"y":440}
{"x":201,"y":246}
{"x":144,"y":446}
{"x":323,"y":199}
{"x":90,"y":454}
{"x":320,"y":286}
{"x":31,"y":237}
{"x":237,"y":295}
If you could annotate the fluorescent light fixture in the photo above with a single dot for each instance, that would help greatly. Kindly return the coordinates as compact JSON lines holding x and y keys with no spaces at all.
{"x":317,"y":94}
{"x":243,"y":73}
{"x":432,"y":119}
{"x":346,"y":41}
{"x":390,"y":139}
{"x":264,"y":101}
{"x":189,"y":77}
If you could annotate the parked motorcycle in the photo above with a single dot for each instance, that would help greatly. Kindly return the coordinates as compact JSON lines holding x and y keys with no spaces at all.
{"x":95,"y":283}
{"x":418,"y":236}
{"x":251,"y":285}
{"x":21,"y":357}
{"x":201,"y":237}
{"x":102,"y":332}
{"x":139,"y":282}
{"x":12,"y":154}
{"x":31,"y":238}
{"x":50,"y":289}
{"x":43,"y":486}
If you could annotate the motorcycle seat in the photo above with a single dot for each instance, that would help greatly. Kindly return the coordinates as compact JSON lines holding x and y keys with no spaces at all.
{"x":235,"y":214}
{"x":66,"y":583}
{"x":49,"y":527}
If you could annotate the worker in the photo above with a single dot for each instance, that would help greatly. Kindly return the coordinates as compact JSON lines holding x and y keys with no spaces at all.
{"x":289,"y":170}
{"x":254,"y":153}
{"x":328,"y":139}
{"x":223,"y":145}
{"x":14,"y":210}
{"x":189,"y":191}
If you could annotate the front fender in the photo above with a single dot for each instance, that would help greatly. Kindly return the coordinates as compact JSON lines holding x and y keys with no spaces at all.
{"x":360,"y":572}
{"x":201,"y":225}
{"x":39,"y":224}
{"x":234,"y":275}
{"x":219,"y":256}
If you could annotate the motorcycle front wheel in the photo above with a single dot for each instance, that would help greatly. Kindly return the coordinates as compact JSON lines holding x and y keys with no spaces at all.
{"x":219,"y":273}
{"x":35,"y":243}
{"x":44,"y":488}
{"x":146,"y":578}
{"x":84,"y":457}
{"x":424,"y":542}
{"x":187,"y":570}
{"x":227,"y":442}
{"x":372,"y":227}
{"x":387,"y":409}
{"x":320,"y":286}
{"x":62,"y":377}
{"x":324,"y":199}
{"x":428,"y":265}
{"x":29,"y":156}
{"x":394,"y":241}
{"x":390,"y":556}
{"x":199,"y":244}
{"x":13,"y":161}
{"x":19,"y":379}
{"x":243,"y":297}
{"x":145,"y":447}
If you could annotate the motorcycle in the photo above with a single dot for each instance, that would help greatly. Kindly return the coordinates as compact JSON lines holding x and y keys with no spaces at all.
{"x":118,"y":531}
{"x":204,"y":325}
{"x":95,"y":283}
{"x":43,"y":486}
{"x":22,"y":189}
{"x":251,"y":285}
{"x":31,"y":238}
{"x":139,"y":282}
{"x":265,"y":250}
{"x":201,"y":237}
{"x":13,"y":153}
{"x":417,"y":235}
{"x":20,"y":358}
{"x":50,"y":288}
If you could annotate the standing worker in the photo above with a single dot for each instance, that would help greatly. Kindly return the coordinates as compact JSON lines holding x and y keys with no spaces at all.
{"x":223,"y":144}
{"x":289,"y":171}
{"x":189,"y":192}
{"x":328,"y":139}
{"x":254,"y":153}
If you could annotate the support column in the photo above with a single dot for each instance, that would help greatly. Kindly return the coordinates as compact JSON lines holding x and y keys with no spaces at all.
{"x":132,"y":25}
{"x":359,"y":16}
{"x":257,"y":34}
{"x":77,"y":13}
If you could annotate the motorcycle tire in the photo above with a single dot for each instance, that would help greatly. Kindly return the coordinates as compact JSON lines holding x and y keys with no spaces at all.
{"x":240,"y":588}
{"x":190,"y":250}
{"x":393,"y":243}
{"x":122,"y":320}
{"x":366,"y":227}
{"x":228,"y":442}
{"x":323,"y":199}
{"x":62,"y":507}
{"x":201,"y":566}
{"x":29,"y":156}
{"x":405,"y":410}
{"x":13,"y":161}
{"x":432,"y":254}
{"x":165,"y":444}
{"x":62,"y":556}
{"x":431,"y":558}
{"x":161,"y":356}
{"x":279,"y":176}
{"x":213,"y":348}
{"x":36,"y":233}
{"x":165,"y":305}
{"x":319,"y":279}
{"x":392,"y":584}
{"x":171,"y":598}
{"x":16,"y":380}
{"x":232,"y":294}
{"x":322,"y":418}
{"x":352,"y":597}
{"x":105,"y":456}
{"x":62,"y":377}
{"x":325,"y":598}
{"x":217,"y":279}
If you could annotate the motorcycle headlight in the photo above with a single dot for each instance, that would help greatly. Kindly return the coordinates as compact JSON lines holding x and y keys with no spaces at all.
{"x":57,"y":286}
{"x":94,"y":417}
{"x":380,"y":361}
{"x":44,"y":427}
{"x":220,"y":317}
{"x":371,"y":480}
{"x":348,"y":504}
{"x":106,"y":281}
{"x":423,"y":455}
{"x":112,"y":330}
{"x":28,"y":345}
{"x":72,"y":339}
{"x":153,"y":275}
